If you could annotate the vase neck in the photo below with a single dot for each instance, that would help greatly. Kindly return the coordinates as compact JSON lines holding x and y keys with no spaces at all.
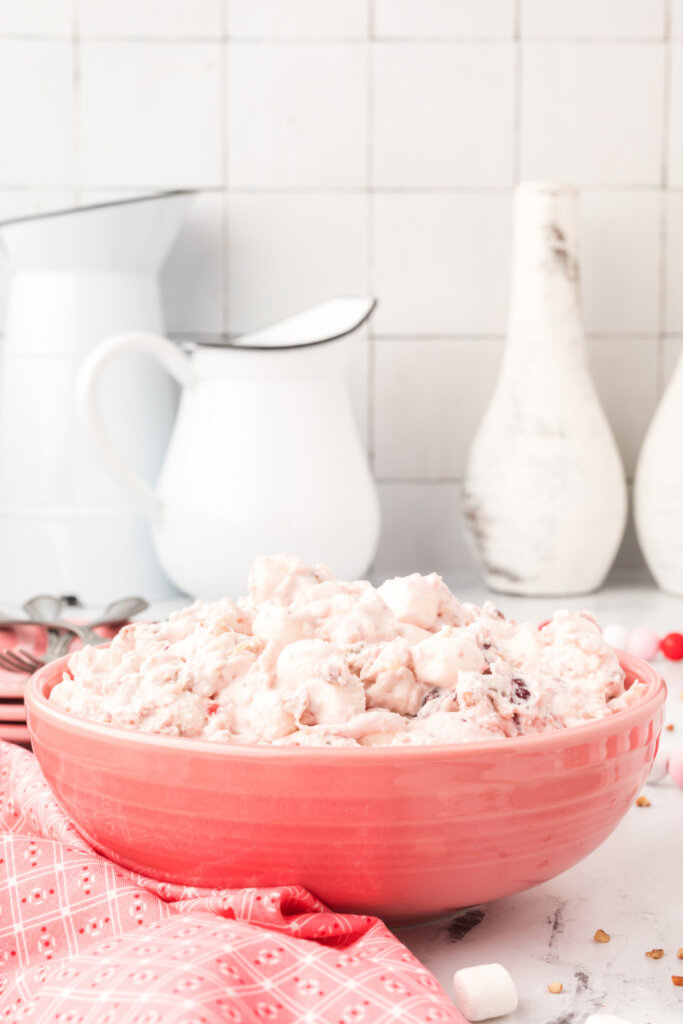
{"x":545,"y":311}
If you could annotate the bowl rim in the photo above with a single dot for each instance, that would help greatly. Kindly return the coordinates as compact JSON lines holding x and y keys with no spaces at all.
{"x":41,"y":683}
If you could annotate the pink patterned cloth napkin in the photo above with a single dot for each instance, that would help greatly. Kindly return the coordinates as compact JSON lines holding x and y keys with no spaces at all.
{"x":83,"y":941}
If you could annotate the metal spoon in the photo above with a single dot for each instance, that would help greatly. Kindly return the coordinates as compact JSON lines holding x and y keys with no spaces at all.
{"x":118,"y":611}
{"x":47,"y":608}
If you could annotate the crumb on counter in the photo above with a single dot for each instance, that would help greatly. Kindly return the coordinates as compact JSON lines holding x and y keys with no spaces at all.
{"x":643,"y":801}
{"x":601,"y":936}
{"x":555,"y":987}
{"x":655,"y":954}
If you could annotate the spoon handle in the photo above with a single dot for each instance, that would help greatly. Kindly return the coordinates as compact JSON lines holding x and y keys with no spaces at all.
{"x":44,"y":607}
{"x":119,"y":611}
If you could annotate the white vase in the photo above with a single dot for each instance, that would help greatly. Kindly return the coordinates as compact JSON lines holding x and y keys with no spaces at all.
{"x":544,"y":493}
{"x":658,"y":492}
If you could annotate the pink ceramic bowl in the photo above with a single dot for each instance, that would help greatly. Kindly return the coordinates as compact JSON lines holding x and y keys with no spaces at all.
{"x":405,"y":833}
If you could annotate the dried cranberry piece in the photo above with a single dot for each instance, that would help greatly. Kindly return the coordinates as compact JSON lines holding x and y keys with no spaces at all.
{"x":520,"y":691}
{"x":430,"y":695}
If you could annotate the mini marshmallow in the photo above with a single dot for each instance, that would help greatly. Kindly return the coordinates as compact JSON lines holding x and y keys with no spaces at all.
{"x":485,"y":991}
{"x":605,"y":1018}
{"x":615,"y":635}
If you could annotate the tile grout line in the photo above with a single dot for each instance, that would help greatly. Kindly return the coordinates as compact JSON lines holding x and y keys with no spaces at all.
{"x":517,"y":98}
{"x":370,"y":239}
{"x":328,"y":190}
{"x":225,"y":226}
{"x":77,"y":190}
{"x":407,"y":40}
{"x":664,"y":205}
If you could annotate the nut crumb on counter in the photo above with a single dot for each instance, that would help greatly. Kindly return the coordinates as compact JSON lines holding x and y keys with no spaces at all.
{"x":601,"y":936}
{"x":655,"y":954}
{"x":643,"y":801}
{"x":677,"y":979}
{"x":555,"y":987}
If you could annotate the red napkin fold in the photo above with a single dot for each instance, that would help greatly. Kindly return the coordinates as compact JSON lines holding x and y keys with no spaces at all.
{"x":83,"y":941}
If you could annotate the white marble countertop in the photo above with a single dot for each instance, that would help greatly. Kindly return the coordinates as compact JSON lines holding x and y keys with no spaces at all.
{"x":632,"y":886}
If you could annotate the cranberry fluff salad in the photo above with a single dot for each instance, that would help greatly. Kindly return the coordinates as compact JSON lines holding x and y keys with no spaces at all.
{"x":308,"y":660}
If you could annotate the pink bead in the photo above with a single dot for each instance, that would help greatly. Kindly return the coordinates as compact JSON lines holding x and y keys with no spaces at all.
{"x":676,"y":767}
{"x":643,"y":642}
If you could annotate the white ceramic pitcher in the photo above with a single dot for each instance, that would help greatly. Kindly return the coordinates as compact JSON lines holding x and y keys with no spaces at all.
{"x":264,"y":457}
{"x":79,"y":276}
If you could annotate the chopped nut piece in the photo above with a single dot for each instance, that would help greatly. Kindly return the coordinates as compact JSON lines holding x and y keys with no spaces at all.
{"x":555,"y":987}
{"x":679,"y":954}
{"x":601,"y":936}
{"x":643,"y":801}
{"x":670,"y":727}
{"x":655,"y":954}
{"x":677,"y":980}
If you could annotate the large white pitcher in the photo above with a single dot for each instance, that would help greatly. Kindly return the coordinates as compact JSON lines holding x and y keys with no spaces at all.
{"x":79,"y":276}
{"x":264,"y":457}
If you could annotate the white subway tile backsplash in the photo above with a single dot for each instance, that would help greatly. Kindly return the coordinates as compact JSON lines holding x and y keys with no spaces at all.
{"x":629,"y":555}
{"x":422,"y":530}
{"x":675,"y":162}
{"x":676,"y":19}
{"x":287,"y":252}
{"x":674,"y":262}
{"x":297,"y":19}
{"x":594,"y":19}
{"x":36,"y":112}
{"x":441,"y":263}
{"x":297,"y":115}
{"x":150,"y":114}
{"x":151,"y":18}
{"x":443,"y":114}
{"x":370,"y":146}
{"x":620,"y":237}
{"x":592,"y":113}
{"x":625,"y":375}
{"x":39,"y":17}
{"x":444,"y":18}
{"x":430,"y":397}
{"x":192,"y":277}
{"x":673,"y":347}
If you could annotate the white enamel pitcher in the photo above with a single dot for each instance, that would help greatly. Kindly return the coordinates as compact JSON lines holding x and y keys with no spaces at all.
{"x":264,"y":457}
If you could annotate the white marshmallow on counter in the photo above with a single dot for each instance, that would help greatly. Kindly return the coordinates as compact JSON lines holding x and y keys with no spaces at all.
{"x":605,"y":1018}
{"x":615,"y":635}
{"x":485,"y":991}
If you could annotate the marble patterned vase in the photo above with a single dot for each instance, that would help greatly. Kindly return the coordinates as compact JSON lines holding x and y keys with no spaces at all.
{"x":544,"y":492}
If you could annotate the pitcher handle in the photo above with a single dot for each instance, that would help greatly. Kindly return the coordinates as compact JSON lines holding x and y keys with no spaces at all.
{"x":178,"y":366}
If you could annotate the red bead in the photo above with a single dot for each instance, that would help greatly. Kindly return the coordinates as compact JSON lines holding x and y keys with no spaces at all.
{"x":672,"y":646}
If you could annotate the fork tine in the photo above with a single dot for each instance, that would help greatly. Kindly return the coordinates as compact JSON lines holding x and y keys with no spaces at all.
{"x":11,"y":663}
{"x":16,"y":661}
{"x":30,"y":659}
